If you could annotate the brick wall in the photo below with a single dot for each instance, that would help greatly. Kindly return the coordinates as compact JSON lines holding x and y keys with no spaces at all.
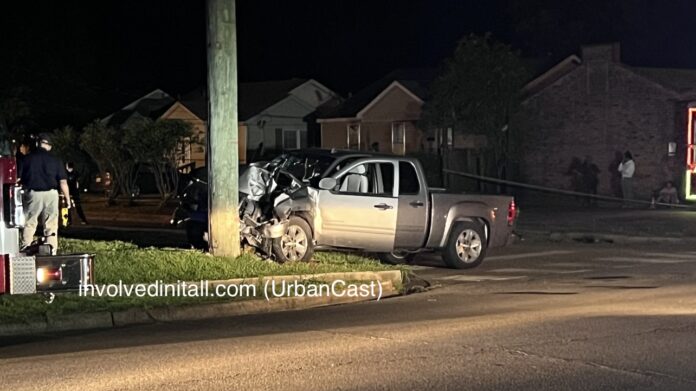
{"x":600,"y":110}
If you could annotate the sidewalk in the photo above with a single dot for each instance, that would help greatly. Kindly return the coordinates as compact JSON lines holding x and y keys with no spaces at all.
{"x":654,"y":224}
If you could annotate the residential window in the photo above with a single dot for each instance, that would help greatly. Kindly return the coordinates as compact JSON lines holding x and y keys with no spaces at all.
{"x":184,"y":150}
{"x":353,"y":136}
{"x":292,"y":139}
{"x":399,"y":138}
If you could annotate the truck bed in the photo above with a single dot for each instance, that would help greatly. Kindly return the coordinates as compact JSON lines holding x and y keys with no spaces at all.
{"x":493,"y":209}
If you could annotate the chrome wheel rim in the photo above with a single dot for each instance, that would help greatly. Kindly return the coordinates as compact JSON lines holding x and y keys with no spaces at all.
{"x":294,"y":243}
{"x":468,"y":246}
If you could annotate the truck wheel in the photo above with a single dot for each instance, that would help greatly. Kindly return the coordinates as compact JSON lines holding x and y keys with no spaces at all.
{"x":195,"y":231}
{"x":296,"y":244}
{"x":396,"y":257}
{"x":466,"y":246}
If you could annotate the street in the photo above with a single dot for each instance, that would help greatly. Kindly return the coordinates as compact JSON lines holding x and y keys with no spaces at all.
{"x":565,"y":316}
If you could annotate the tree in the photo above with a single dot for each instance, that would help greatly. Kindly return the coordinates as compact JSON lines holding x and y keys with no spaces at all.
{"x":477,"y":91}
{"x":15,"y":113}
{"x":66,"y":145}
{"x":106,"y":146}
{"x":154,"y":144}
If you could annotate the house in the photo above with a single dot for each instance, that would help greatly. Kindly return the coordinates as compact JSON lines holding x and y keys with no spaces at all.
{"x":272,"y":116}
{"x":160,"y":105}
{"x":593,"y":105}
{"x":382,"y":117}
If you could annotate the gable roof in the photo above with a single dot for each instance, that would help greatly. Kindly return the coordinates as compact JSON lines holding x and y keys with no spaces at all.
{"x":549,"y":77}
{"x":152,"y":105}
{"x":682,"y":81}
{"x":258,"y":96}
{"x":416,"y":80}
{"x":253,"y":97}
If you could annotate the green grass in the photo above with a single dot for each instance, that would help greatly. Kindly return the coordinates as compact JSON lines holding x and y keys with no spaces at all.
{"x":119,"y":261}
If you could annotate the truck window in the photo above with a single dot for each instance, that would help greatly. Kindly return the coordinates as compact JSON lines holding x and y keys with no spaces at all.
{"x":369,"y":179}
{"x":386,"y":172}
{"x":408,"y":179}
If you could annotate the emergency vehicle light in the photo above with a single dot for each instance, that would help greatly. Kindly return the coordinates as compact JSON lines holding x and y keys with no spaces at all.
{"x":45,"y":274}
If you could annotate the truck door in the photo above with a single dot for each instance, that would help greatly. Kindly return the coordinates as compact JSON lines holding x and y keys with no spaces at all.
{"x":412,"y":219}
{"x":361,"y":211}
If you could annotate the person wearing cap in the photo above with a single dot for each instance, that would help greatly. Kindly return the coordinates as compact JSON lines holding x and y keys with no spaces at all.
{"x":42,"y":174}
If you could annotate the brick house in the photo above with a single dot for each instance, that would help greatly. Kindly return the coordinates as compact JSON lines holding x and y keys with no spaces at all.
{"x":595,"y":105}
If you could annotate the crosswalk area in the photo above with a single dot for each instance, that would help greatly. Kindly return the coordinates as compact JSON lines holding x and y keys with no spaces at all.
{"x":570,"y":263}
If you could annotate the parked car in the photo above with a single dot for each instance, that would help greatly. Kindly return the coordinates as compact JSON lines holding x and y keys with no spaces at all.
{"x":365,"y":202}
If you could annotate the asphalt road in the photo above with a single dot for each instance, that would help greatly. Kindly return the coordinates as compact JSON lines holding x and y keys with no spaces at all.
{"x":532,"y":317}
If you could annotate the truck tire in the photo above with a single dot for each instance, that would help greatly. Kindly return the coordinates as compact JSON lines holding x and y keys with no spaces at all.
{"x":396,"y":257}
{"x":466,"y":246}
{"x":296,"y":244}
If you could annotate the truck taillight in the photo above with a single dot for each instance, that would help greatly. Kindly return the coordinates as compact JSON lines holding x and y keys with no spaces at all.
{"x":512,"y":213}
{"x":63,"y":272}
{"x":46,"y":274}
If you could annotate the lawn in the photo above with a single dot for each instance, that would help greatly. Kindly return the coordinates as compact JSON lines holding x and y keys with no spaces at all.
{"x":124,"y":262}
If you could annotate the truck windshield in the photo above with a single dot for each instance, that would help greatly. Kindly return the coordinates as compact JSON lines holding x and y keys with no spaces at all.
{"x":305,"y":167}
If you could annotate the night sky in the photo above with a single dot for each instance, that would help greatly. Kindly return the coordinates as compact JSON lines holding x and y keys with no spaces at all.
{"x":78,"y":60}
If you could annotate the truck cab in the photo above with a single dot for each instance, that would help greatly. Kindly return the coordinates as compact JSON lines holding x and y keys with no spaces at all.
{"x":383,"y":204}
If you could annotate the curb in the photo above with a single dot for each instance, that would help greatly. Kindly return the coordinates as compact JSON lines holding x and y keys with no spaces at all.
{"x":391,"y":282}
{"x":561,"y":236}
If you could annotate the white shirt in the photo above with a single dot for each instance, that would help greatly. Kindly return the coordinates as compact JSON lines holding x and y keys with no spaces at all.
{"x":627,"y":169}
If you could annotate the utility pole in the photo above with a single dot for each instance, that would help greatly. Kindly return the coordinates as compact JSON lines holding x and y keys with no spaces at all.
{"x":223,"y":161}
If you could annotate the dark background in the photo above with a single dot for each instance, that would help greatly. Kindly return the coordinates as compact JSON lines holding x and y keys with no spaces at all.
{"x":78,"y":60}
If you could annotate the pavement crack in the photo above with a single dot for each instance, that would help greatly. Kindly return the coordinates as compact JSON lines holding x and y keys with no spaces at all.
{"x":630,"y":371}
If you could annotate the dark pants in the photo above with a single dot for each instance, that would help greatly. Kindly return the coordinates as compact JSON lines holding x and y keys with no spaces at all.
{"x":627,"y":189}
{"x":78,"y":209}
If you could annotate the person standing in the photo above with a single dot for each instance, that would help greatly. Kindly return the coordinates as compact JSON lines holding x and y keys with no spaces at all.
{"x":576,"y":178}
{"x":41,"y":176}
{"x":74,"y":188}
{"x":627,"y":168}
{"x":590,"y":178}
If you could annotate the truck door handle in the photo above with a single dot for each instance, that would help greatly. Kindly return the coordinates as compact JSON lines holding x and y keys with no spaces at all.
{"x":384,"y":206}
{"x":416,"y":204}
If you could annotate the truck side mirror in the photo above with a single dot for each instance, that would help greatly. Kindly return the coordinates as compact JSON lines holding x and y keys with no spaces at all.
{"x":327,"y":183}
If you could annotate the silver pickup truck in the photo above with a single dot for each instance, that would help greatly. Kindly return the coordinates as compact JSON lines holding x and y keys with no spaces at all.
{"x":359,"y":201}
{"x":383,"y":205}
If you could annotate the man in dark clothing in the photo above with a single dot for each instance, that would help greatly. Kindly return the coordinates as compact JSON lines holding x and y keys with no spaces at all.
{"x":74,"y":187}
{"x":42,"y":174}
{"x":590,"y":178}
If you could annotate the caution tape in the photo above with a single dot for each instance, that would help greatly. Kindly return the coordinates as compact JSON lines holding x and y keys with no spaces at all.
{"x":563,"y":192}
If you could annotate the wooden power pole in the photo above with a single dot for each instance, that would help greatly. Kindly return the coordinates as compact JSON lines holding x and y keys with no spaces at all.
{"x":223,"y":166}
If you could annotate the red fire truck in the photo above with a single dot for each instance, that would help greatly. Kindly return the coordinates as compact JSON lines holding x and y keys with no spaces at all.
{"x":34,"y":271}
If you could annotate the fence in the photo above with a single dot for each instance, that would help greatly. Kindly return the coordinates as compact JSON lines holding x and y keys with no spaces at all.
{"x":560,"y":191}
